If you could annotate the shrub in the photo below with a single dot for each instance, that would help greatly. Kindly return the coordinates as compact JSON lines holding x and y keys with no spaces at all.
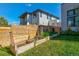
{"x":70,"y":32}
{"x":45,"y":34}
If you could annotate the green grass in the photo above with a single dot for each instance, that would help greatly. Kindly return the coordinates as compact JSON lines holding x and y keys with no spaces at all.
{"x":5,"y":51}
{"x":61,"y":46}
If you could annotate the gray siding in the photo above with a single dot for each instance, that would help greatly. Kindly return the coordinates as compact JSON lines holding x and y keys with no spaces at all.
{"x":29,"y":19}
{"x":23,"y":21}
{"x":35,"y":20}
{"x":64,"y":8}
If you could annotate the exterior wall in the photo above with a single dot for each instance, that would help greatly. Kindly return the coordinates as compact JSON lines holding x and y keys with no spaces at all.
{"x":53,"y":22}
{"x":35,"y":20}
{"x":26,"y":20}
{"x":43,"y":20}
{"x":64,"y":8}
{"x":38,"y":20}
{"x":29,"y":19}
{"x":23,"y":21}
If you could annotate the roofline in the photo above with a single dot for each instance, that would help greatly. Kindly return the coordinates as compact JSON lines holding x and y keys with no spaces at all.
{"x":45,"y":12}
{"x":24,"y":14}
{"x":38,"y":11}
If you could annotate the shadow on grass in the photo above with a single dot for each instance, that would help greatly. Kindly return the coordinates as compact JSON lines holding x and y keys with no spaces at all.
{"x":66,"y":37}
{"x":7,"y":50}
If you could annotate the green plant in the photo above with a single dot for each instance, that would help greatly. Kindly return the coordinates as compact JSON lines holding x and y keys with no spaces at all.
{"x":3,"y":21}
{"x":44,"y":34}
{"x":70,"y":32}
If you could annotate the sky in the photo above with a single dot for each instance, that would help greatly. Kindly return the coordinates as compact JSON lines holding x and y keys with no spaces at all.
{"x":12,"y":11}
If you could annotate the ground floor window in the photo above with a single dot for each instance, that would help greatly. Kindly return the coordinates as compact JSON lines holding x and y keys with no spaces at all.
{"x":77,"y":21}
{"x":52,"y":29}
{"x":45,"y":29}
{"x":71,"y":21}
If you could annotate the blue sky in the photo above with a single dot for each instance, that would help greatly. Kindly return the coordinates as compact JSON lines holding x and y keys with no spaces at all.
{"x":12,"y":11}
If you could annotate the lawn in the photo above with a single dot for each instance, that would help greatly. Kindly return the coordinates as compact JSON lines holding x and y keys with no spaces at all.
{"x":5,"y":51}
{"x":61,"y":46}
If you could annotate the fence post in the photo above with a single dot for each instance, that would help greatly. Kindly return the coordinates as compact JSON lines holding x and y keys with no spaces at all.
{"x":34,"y":42}
{"x":13,"y":46}
{"x":48,"y":38}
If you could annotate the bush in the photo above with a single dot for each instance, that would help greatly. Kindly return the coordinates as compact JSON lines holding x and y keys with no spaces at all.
{"x":45,"y":34}
{"x":70,"y":32}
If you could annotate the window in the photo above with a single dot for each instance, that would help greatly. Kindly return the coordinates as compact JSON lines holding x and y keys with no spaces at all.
{"x":48,"y":17}
{"x":40,"y":14}
{"x":77,"y":11}
{"x":77,"y":20}
{"x":70,"y":13}
{"x":71,"y":21}
{"x":45,"y":29}
{"x":73,"y":17}
{"x":34,"y":15}
{"x":53,"y":30}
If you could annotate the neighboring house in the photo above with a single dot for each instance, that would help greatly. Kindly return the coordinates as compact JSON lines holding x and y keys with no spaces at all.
{"x":54,"y":22}
{"x":70,"y":16}
{"x":38,"y":17}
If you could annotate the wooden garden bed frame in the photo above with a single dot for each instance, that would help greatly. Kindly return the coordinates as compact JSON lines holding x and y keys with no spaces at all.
{"x":21,"y":36}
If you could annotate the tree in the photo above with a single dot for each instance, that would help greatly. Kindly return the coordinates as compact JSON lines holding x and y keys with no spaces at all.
{"x":3,"y":21}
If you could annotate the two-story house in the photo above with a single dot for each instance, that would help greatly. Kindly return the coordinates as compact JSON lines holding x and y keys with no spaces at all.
{"x":38,"y":17}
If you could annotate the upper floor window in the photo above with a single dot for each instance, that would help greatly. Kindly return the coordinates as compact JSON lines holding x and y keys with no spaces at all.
{"x":40,"y":14}
{"x":48,"y":17}
{"x":34,"y":15}
{"x":73,"y":17}
{"x":77,"y":20}
{"x":70,"y":13}
{"x":77,"y":11}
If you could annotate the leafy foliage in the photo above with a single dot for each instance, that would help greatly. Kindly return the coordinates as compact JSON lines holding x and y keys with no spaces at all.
{"x":70,"y":32}
{"x":44,"y":34}
{"x":3,"y":21}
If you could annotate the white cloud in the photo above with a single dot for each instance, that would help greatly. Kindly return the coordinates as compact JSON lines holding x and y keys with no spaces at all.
{"x":28,"y":5}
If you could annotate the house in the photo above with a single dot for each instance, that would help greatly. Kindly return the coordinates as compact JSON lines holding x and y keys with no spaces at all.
{"x":55,"y":22}
{"x":38,"y":17}
{"x":70,"y":16}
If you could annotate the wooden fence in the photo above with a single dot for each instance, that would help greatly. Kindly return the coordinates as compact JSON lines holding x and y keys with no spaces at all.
{"x":18,"y":31}
{"x":4,"y":36}
{"x":22,"y":35}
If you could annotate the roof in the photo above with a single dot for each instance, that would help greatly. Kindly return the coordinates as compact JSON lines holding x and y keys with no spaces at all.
{"x":24,"y":14}
{"x":38,"y":10}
